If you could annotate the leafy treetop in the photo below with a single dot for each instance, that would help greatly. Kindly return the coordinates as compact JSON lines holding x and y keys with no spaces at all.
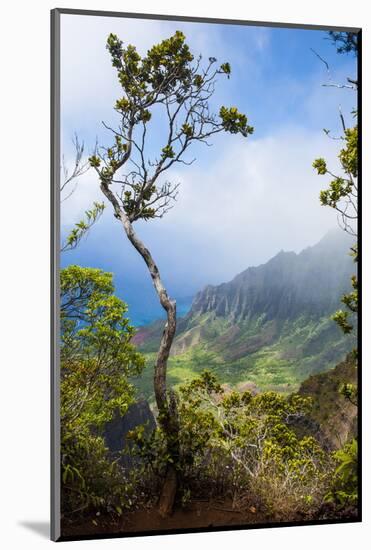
{"x":345,"y":42}
{"x":341,"y":195}
{"x":342,"y":192}
{"x":97,"y":361}
{"x":170,"y":78}
{"x":97,"y":357}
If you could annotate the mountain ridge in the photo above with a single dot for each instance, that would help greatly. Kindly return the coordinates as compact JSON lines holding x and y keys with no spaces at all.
{"x":270,"y":325}
{"x":239,"y":296}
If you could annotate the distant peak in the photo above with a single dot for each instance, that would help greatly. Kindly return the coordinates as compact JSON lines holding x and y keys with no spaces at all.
{"x":336,"y":234}
{"x":283,"y":252}
{"x":289,"y":284}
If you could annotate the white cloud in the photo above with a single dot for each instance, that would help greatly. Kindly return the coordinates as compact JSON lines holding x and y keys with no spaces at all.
{"x":89,"y":86}
{"x":261,"y":196}
{"x":243,"y":202}
{"x":74,"y":205}
{"x":86,"y":70}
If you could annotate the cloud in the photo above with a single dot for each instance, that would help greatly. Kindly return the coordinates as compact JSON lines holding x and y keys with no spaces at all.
{"x":89,"y":86}
{"x":86,"y":70}
{"x":259,"y":197}
{"x":244,"y":200}
{"x":78,"y":197}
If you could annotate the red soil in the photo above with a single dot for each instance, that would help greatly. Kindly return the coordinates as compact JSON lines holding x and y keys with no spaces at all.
{"x":197,"y":515}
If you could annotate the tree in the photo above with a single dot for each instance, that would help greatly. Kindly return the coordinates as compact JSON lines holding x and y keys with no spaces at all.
{"x":342,"y":196}
{"x":68,"y":187}
{"x":342,"y":192}
{"x":345,"y":42}
{"x":171,"y":81}
{"x":97,"y":360}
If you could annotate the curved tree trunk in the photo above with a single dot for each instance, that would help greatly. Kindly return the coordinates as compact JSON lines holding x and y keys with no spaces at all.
{"x":166,"y":404}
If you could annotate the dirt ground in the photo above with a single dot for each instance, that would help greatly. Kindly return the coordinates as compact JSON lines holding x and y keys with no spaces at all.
{"x":197,"y":515}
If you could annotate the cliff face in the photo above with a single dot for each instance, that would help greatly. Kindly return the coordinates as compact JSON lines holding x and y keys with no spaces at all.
{"x":286,"y":286}
{"x":271,"y":325}
{"x":335,"y":415}
{"x":116,"y":431}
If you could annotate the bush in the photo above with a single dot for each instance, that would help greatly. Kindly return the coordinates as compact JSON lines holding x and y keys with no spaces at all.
{"x":97,"y":359}
{"x":91,"y":482}
{"x":344,"y":488}
{"x":242,"y":447}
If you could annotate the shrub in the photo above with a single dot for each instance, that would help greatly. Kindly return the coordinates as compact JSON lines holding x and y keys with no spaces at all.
{"x":97,"y":359}
{"x":244,"y":448}
{"x":344,"y":488}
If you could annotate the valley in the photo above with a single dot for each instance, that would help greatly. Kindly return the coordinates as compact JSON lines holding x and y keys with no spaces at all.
{"x":267,"y":329}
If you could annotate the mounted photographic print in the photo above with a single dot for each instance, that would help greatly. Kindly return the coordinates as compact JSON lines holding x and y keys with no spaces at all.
{"x":205,"y":228}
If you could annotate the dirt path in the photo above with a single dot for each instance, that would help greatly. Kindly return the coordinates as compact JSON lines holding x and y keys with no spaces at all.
{"x":197,"y":515}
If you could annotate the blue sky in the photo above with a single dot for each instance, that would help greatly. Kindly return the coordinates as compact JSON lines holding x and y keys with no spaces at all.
{"x":243,"y":200}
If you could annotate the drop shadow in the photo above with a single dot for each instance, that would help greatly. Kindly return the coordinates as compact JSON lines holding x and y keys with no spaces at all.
{"x":42,"y":528}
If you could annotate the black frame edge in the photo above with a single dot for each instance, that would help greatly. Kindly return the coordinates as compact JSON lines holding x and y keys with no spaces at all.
{"x":215,"y":529}
{"x":55,"y":529}
{"x":191,"y":19}
{"x":359,"y":274}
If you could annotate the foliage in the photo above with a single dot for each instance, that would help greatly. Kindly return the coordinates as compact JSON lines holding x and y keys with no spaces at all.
{"x":97,"y":358}
{"x":68,"y":187}
{"x":345,"y":42}
{"x":91,"y":481}
{"x":167,"y":81}
{"x":243,"y":446}
{"x":341,"y":317}
{"x":344,"y":489}
{"x":82,"y":227}
{"x":342,"y":193}
{"x":350,"y":392}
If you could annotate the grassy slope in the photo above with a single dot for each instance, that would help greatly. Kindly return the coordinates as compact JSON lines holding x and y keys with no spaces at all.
{"x":273,"y":357}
